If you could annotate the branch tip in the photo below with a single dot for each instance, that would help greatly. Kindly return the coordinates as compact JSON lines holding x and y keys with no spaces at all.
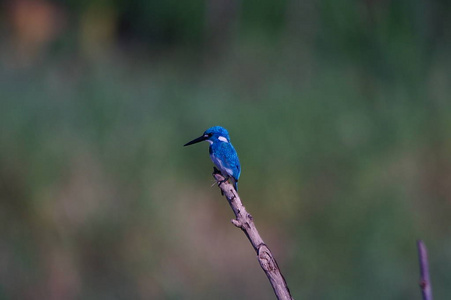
{"x":425,"y":282}
{"x":236,"y":223}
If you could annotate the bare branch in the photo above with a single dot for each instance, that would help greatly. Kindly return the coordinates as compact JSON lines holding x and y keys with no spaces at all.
{"x":425,"y":282}
{"x":245,"y":221}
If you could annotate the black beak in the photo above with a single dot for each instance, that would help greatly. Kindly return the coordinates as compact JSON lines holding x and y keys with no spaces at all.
{"x":199,"y":139}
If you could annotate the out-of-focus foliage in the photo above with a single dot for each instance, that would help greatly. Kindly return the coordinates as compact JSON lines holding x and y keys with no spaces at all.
{"x":340,"y":112}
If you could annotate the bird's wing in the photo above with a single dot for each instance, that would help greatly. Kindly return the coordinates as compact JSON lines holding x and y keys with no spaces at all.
{"x":229,"y":158}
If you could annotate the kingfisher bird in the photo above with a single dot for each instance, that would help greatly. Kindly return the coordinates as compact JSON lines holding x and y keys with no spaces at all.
{"x":222,"y":152}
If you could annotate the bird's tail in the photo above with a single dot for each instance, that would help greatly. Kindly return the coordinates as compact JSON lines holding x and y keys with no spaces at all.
{"x":235,"y":184}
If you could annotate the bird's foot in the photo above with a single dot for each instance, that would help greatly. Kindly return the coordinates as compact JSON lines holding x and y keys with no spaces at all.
{"x":216,"y":171}
{"x":222,"y":181}
{"x":226,"y":178}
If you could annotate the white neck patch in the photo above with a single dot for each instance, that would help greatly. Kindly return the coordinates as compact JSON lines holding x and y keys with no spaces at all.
{"x":223,"y":139}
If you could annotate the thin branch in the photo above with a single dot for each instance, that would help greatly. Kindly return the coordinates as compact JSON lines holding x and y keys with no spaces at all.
{"x":425,"y":282}
{"x":245,"y":221}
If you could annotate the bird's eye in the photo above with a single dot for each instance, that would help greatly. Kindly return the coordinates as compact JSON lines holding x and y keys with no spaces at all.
{"x":210,"y":134}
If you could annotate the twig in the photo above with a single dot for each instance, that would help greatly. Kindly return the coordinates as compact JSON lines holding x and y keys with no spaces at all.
{"x":245,"y":221}
{"x":425,"y":282}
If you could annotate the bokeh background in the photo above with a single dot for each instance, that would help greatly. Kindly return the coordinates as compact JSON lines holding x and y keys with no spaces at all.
{"x":340,"y":112}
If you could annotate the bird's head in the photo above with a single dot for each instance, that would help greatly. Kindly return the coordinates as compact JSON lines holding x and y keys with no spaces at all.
{"x":211,"y":135}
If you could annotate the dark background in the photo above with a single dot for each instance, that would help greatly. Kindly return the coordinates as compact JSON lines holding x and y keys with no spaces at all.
{"x":340,"y":112}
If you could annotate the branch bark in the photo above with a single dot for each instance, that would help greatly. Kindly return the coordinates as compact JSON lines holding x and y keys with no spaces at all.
{"x":245,"y":221}
{"x":425,"y":282}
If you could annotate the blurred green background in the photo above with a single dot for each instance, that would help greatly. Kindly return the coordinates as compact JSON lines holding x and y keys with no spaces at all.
{"x":340,"y":112}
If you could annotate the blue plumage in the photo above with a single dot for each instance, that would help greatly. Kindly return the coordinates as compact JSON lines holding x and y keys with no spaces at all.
{"x":222,"y":152}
